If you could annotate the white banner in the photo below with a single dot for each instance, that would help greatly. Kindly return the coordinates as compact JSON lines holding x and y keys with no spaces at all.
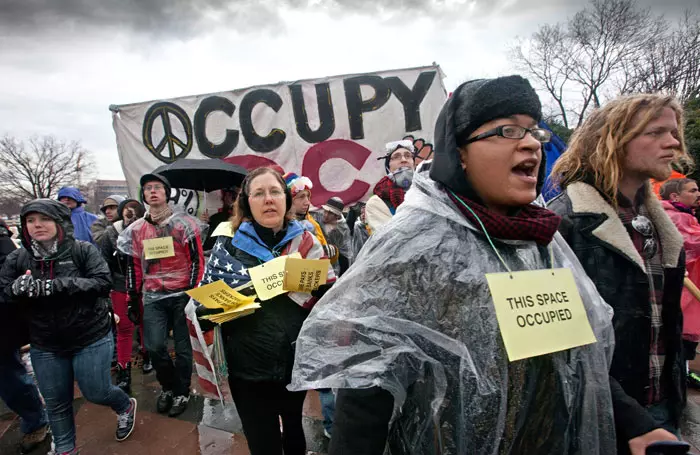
{"x":331,"y":130}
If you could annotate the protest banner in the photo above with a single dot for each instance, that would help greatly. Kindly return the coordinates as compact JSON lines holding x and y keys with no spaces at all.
{"x":331,"y":130}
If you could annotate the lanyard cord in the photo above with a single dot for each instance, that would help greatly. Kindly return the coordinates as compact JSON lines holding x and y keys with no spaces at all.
{"x":488,"y":237}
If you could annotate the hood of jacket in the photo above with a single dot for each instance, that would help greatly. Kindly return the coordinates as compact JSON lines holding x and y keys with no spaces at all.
{"x":54,"y":210}
{"x":73,"y":193}
{"x":446,"y":165}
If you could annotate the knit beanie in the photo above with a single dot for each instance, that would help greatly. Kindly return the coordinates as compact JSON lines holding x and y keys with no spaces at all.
{"x":483,"y":100}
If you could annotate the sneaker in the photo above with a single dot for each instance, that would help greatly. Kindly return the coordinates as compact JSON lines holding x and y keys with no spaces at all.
{"x":179,"y":405}
{"x":694,"y":380}
{"x":164,"y":402}
{"x":147,"y":366}
{"x":126,"y":422}
{"x":326,"y":433}
{"x":31,"y":441}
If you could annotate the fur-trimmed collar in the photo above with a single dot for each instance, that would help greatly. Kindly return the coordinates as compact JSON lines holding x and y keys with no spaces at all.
{"x":585,"y":199}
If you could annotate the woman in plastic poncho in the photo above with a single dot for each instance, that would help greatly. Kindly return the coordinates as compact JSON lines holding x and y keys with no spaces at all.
{"x":410,"y":335}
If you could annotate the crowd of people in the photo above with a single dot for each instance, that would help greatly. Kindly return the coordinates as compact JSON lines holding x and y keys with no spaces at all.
{"x":403,"y":341}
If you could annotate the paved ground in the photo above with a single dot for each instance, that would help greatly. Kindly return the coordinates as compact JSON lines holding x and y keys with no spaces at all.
{"x":206,"y":428}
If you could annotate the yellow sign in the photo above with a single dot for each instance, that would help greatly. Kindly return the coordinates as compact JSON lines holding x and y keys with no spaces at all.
{"x":219,"y":295}
{"x":158,"y":248}
{"x":230,"y":315}
{"x":268,"y":278}
{"x":539,"y":312}
{"x":305,"y":275}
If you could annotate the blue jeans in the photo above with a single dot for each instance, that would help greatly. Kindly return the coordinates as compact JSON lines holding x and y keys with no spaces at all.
{"x":90,"y":367}
{"x":19,"y":393}
{"x":158,"y":316}
{"x":327,"y":408}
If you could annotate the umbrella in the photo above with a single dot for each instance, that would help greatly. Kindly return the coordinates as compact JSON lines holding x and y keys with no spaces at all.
{"x":202,"y":175}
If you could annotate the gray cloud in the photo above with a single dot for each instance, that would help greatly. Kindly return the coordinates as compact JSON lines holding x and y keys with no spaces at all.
{"x":152,"y":17}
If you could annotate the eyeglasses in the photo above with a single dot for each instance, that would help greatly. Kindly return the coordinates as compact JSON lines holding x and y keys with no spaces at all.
{"x":398,"y":156}
{"x":155,"y":187}
{"x":274,"y":193}
{"x":642,"y":225}
{"x":514,"y":132}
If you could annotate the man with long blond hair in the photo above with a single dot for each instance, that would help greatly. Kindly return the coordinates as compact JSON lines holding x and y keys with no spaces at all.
{"x":633,"y":253}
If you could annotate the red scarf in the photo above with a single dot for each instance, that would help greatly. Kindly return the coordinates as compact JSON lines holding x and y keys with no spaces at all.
{"x":530,"y":223}
{"x":390,"y":193}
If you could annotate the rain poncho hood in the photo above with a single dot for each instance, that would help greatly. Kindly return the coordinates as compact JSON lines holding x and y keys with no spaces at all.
{"x":73,"y":193}
{"x":82,"y":220}
{"x":414,"y":316}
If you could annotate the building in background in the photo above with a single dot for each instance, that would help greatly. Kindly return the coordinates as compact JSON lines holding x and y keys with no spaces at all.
{"x":98,"y":190}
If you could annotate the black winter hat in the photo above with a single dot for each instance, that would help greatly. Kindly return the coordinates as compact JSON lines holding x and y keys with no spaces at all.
{"x":151,"y":177}
{"x":471,"y":105}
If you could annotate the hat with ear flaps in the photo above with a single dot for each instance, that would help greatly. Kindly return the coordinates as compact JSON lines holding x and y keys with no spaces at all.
{"x":471,"y":105}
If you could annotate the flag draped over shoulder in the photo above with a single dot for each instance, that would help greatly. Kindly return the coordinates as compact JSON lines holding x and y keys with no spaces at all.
{"x":207,"y":347}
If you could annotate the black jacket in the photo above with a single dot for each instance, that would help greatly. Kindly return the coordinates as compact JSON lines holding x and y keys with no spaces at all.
{"x":117,"y":261}
{"x":73,"y":317}
{"x":595,"y":233}
{"x":261,"y":346}
{"x":14,"y":331}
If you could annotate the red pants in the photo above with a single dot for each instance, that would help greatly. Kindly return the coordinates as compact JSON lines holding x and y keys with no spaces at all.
{"x":125,"y":328}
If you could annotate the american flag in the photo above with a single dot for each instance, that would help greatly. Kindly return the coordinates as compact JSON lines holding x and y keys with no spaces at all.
{"x":206,"y":349}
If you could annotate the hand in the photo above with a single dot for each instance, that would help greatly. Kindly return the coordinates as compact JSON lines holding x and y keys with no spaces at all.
{"x":24,"y":286}
{"x":116,"y":319}
{"x":638,"y":445}
{"x":134,"y":311}
{"x":205,"y":324}
{"x":44,"y":288}
{"x":204,"y":216}
{"x":331,"y":252}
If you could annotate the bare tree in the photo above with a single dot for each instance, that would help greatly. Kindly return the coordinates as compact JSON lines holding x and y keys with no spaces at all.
{"x":581,"y":61}
{"x":41,"y":166}
{"x":545,"y":56}
{"x":605,"y":36}
{"x":669,"y":62}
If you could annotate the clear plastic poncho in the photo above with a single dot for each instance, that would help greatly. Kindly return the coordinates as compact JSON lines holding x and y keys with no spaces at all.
{"x":414,"y":316}
{"x":182,"y":270}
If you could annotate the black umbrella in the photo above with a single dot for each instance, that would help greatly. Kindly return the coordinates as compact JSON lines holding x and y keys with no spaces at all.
{"x":202,"y":175}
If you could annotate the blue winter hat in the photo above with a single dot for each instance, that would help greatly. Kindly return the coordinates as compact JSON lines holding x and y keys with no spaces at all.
{"x":73,"y":193}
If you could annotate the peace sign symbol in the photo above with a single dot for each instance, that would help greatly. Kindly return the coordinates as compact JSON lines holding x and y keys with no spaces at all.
{"x":165,"y":111}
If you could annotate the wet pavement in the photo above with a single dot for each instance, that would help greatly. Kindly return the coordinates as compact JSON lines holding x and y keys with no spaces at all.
{"x":206,"y":428}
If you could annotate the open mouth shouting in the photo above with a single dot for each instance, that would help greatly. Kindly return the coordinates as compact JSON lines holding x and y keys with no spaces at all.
{"x":527,"y":170}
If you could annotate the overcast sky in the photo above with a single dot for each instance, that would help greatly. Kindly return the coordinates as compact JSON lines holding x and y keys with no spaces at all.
{"x":63,"y":62}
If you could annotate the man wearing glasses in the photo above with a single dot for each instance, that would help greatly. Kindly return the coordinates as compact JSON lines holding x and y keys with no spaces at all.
{"x":166,"y":260}
{"x":633,"y":253}
{"x":399,"y":163}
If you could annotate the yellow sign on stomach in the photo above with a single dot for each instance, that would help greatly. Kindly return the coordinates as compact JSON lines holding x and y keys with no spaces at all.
{"x":305,"y":275}
{"x":268,"y":278}
{"x":219,"y":295}
{"x":539,"y":312}
{"x":159,"y":248}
